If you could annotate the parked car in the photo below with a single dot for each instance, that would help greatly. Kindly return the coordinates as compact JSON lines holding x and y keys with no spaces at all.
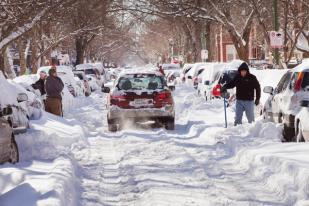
{"x":84,"y":80}
{"x":10,"y":96}
{"x":191,"y":76}
{"x":185,"y":69}
{"x":208,"y":78}
{"x":173,"y":78}
{"x":140,"y":95}
{"x":8,"y":145}
{"x":92,"y":73}
{"x":284,"y":102}
{"x":302,"y":122}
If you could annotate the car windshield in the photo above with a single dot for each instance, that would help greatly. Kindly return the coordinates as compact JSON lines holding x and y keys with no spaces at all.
{"x":228,"y":76}
{"x":89,"y":71}
{"x":141,"y":82}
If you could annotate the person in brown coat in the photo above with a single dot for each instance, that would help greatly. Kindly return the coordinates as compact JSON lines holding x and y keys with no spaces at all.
{"x":53,"y":88}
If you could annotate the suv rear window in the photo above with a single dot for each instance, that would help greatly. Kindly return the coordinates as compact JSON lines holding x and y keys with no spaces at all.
{"x":141,"y":82}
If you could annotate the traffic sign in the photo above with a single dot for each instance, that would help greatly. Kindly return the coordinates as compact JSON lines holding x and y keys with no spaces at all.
{"x":276,"y":39}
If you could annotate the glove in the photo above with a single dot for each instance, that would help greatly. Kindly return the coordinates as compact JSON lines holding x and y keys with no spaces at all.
{"x":257,"y":102}
{"x":223,"y":90}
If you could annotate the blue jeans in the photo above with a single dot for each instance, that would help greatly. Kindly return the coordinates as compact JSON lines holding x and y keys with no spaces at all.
{"x":244,"y":106}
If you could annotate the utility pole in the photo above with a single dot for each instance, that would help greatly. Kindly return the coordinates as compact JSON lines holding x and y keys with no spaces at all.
{"x":276,"y":27}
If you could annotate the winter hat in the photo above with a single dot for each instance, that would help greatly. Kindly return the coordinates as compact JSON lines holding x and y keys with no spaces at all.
{"x":52,"y":71}
{"x":243,"y":66}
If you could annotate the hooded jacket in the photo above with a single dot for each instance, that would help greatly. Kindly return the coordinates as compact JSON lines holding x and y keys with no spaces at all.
{"x":53,"y":87}
{"x":245,"y":86}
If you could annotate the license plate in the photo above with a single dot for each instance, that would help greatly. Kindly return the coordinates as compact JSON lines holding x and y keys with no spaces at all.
{"x":143,"y":102}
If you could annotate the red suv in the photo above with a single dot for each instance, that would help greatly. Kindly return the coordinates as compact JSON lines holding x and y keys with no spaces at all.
{"x":140,"y":96}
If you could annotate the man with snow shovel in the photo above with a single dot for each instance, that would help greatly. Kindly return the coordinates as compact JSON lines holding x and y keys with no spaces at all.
{"x":245,"y":83}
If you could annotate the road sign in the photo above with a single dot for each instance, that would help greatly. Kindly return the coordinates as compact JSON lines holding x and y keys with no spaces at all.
{"x":204,"y":54}
{"x":276,"y":39}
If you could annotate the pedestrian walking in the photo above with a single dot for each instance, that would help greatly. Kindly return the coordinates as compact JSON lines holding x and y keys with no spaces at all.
{"x":53,"y":88}
{"x":247,"y":87}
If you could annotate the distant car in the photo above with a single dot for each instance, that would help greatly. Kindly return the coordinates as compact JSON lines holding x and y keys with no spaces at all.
{"x":173,"y":78}
{"x":169,"y":67}
{"x":302,"y":122}
{"x":191,"y":76}
{"x":140,"y":95}
{"x":186,"y":68}
{"x":8,"y":145}
{"x":82,"y":77}
{"x":92,"y":73}
{"x":284,"y":103}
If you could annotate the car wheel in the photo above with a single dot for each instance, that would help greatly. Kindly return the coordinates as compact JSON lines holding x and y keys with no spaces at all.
{"x":288,"y":133}
{"x":14,"y":154}
{"x":170,"y":124}
{"x":300,"y":136}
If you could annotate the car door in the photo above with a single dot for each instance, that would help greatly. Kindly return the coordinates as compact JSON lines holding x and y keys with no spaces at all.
{"x":5,"y":138}
{"x":276,"y":100}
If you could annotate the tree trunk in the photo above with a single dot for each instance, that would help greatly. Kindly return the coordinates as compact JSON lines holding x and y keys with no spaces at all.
{"x":8,"y":64}
{"x":2,"y":66}
{"x":197,"y":43}
{"x":208,"y":40}
{"x":34,"y":51}
{"x":80,"y":50}
{"x":22,"y":56}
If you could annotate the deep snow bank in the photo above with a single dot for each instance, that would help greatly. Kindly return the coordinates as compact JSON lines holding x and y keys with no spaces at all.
{"x":49,"y":137}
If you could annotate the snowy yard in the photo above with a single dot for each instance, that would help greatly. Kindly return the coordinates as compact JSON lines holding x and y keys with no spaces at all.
{"x":75,"y":161}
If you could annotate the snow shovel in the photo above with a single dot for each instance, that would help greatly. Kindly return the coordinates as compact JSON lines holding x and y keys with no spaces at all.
{"x":225,"y":95}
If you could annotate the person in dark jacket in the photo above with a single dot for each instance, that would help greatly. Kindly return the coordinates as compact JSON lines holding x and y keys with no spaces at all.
{"x":53,"y":88}
{"x":40,"y":84}
{"x":247,"y":87}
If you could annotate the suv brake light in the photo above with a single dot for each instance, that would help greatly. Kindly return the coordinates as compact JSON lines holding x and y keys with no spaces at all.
{"x":217,"y":90}
{"x":163,"y":98}
{"x":299,"y":80}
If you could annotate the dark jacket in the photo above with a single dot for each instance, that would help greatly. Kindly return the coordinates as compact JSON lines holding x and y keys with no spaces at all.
{"x":245,"y":87}
{"x":53,"y":87}
{"x":40,"y":85}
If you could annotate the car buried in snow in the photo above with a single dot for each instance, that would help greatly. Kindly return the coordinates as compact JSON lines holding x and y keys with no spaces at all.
{"x":285,"y":100}
{"x":139,"y":96}
{"x":8,"y":145}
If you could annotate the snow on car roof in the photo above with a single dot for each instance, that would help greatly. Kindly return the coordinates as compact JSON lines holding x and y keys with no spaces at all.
{"x":140,"y":71}
{"x":303,"y":66}
{"x":84,"y":66}
{"x":8,"y":92}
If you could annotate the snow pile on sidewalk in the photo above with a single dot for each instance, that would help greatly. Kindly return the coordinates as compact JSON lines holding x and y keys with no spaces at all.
{"x":49,"y":137}
{"x":39,"y":183}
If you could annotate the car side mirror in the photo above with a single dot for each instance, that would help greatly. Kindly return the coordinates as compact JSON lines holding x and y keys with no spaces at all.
{"x":189,"y":77}
{"x":268,"y":90}
{"x":207,"y":83}
{"x":106,"y":89}
{"x":22,"y":97}
{"x":304,"y":103}
{"x":6,"y":111}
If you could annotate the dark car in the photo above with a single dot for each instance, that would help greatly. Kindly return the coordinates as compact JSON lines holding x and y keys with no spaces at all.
{"x":140,"y":96}
{"x":8,"y":146}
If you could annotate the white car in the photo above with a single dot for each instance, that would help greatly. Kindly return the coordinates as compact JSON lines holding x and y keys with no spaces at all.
{"x":302,"y":122}
{"x":191,"y":75}
{"x":284,"y":103}
{"x":92,"y":73}
{"x":185,"y":69}
{"x":11,"y":97}
{"x":208,"y":78}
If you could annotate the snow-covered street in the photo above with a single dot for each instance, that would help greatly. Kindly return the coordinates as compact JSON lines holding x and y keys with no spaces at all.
{"x":200,"y":163}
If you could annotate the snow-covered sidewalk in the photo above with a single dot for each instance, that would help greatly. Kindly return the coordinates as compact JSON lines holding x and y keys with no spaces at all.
{"x":200,"y":163}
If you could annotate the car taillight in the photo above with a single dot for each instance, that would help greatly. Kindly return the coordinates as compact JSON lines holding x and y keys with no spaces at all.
{"x":297,"y":86}
{"x":120,"y":101}
{"x":163,"y":98}
{"x":217,"y":90}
